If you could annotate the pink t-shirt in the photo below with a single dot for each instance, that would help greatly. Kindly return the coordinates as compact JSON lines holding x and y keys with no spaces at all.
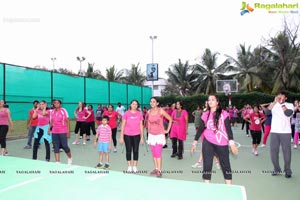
{"x":255,"y":119}
{"x":133,"y":121}
{"x":212,"y":134}
{"x":156,"y":125}
{"x":91,"y":118}
{"x":112,"y":118}
{"x":43,"y":119}
{"x":59,"y":118}
{"x":4,"y":117}
{"x":80,"y":115}
{"x":104,"y":133}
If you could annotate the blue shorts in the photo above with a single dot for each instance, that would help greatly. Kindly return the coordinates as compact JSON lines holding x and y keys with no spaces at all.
{"x":103,"y":147}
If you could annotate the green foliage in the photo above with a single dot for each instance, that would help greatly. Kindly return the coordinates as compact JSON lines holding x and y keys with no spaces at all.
{"x":190,"y":103}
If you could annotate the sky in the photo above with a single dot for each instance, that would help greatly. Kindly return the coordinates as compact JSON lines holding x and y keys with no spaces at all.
{"x":116,"y":32}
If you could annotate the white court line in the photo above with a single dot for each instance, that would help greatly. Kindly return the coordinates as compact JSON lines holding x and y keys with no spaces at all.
{"x":244,"y":193}
{"x":33,"y":180}
{"x":20,"y":184}
{"x":95,"y":177}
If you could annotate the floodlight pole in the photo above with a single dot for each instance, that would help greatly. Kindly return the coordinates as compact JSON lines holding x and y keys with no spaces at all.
{"x":80,"y":61}
{"x":53,"y":63}
{"x":152,"y":40}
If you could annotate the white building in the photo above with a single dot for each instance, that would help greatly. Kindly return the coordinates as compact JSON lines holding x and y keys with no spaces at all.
{"x":158,"y":86}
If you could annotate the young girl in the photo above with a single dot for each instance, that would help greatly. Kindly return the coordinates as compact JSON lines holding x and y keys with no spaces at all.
{"x":255,"y":120}
{"x":215,"y":126}
{"x":156,"y":137}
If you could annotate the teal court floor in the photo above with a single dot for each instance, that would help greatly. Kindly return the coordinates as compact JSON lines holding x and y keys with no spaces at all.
{"x":22,"y":177}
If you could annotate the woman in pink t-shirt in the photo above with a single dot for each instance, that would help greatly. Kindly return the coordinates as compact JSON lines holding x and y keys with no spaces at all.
{"x":215,"y":126}
{"x":90,"y":121}
{"x":156,"y":137}
{"x":5,"y":120}
{"x":132,"y":133}
{"x":60,"y":126}
{"x":113,"y":117}
{"x":41,"y":132}
{"x":255,"y":120}
{"x":178,"y":130}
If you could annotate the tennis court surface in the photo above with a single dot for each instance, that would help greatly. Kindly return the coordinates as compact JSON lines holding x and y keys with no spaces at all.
{"x":33,"y":179}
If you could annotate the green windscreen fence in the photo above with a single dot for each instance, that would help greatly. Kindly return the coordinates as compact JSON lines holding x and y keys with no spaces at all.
{"x":20,"y":86}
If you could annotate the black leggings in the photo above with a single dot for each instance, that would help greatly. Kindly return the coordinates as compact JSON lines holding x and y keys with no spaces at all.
{"x":114,"y":136}
{"x":80,"y":126}
{"x":256,"y":136}
{"x":132,"y":145}
{"x":3,"y":133}
{"x":209,"y":150}
{"x":89,"y":126}
{"x":177,"y":149}
{"x":36,"y":145}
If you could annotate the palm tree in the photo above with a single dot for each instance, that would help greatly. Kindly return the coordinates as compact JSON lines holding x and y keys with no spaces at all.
{"x":112,"y":74}
{"x":180,"y":78}
{"x":286,"y":60}
{"x":93,"y":74}
{"x":248,"y":67}
{"x":134,"y":76}
{"x":208,"y":72}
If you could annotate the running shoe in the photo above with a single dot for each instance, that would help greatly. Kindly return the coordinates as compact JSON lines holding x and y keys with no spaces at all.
{"x":129,"y":169}
{"x":76,"y":142}
{"x":69,"y":161}
{"x":197,"y":165}
{"x":134,"y":169}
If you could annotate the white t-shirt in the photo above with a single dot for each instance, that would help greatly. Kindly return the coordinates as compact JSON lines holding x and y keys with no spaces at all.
{"x":120,"y":110}
{"x":280,"y":122}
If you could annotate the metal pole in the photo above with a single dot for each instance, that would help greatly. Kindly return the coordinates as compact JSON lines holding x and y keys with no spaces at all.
{"x":152,"y":39}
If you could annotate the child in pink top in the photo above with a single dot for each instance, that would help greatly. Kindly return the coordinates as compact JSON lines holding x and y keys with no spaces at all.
{"x":215,"y":125}
{"x":103,"y":136}
{"x":132,"y":132}
{"x":178,"y":130}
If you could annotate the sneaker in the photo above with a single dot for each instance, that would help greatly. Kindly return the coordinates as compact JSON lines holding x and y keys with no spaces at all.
{"x":153,"y":172}
{"x":76,"y":142}
{"x":69,"y":161}
{"x":276,"y":173}
{"x":106,"y":166}
{"x":99,"y":165}
{"x":263,"y":146}
{"x":27,"y":147}
{"x":255,"y":153}
{"x":84,"y":143}
{"x":180,"y":158}
{"x":165,"y":146}
{"x":115,"y":150}
{"x":129,"y":169}
{"x":247,"y":135}
{"x":295,"y":146}
{"x":5,"y":154}
{"x":158,"y":174}
{"x":299,"y":142}
{"x":197,"y":165}
{"x":218,"y":165}
{"x":134,"y":169}
{"x":288,"y":176}
{"x":174,"y":155}
{"x":80,"y":137}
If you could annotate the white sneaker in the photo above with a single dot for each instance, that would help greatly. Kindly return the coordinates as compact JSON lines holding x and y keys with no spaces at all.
{"x":69,"y":161}
{"x":299,"y":142}
{"x":134,"y":169}
{"x":255,"y":153}
{"x":197,"y":165}
{"x":76,"y":142}
{"x":129,"y":169}
{"x":263,"y":146}
{"x":218,"y":165}
{"x":295,"y":146}
{"x":84,"y":142}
